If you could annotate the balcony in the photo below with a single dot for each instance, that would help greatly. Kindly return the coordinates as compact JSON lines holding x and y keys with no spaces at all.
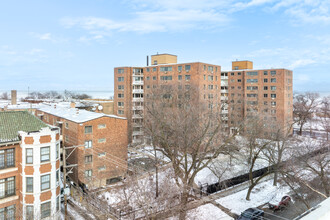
{"x":224,"y":111}
{"x":137,"y":133}
{"x":224,"y":77}
{"x":137,"y":116}
{"x":137,"y":99}
{"x":223,"y":98}
{"x":224,"y":82}
{"x":137,"y":91}
{"x":137,"y":108}
{"x":137,"y":83}
{"x":224,"y":90}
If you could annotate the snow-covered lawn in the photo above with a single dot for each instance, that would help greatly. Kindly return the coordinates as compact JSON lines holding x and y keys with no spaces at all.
{"x":264,"y":192}
{"x":205,"y":212}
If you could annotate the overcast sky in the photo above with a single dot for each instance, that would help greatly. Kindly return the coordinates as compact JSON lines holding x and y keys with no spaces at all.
{"x":75,"y":44}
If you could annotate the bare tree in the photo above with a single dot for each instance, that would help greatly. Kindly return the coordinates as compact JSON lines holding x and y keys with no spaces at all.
{"x":304,"y":105}
{"x":325,"y":115}
{"x":186,"y":129}
{"x":4,"y":96}
{"x":255,"y":136}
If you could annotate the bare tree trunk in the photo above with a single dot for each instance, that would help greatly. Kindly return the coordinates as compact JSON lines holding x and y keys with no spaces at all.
{"x":300,"y":129}
{"x":183,"y":205}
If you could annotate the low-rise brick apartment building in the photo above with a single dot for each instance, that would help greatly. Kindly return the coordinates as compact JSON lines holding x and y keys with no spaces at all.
{"x":134,"y":84}
{"x":101,"y":155}
{"x":29,"y":167}
{"x":242,"y":90}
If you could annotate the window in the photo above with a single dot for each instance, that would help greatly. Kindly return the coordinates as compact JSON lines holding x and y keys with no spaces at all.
{"x":148,"y":70}
{"x":29,"y":212}
{"x":187,"y":67}
{"x":101,"y":168}
{"x":265,"y":73}
{"x":252,"y":80}
{"x":166,"y":78}
{"x":8,"y":213}
{"x":148,"y":77}
{"x":88,"y":129}
{"x":120,"y":95}
{"x":120,"y":112}
{"x":210,"y":78}
{"x":251,"y":95}
{"x":120,"y":104}
{"x":187,"y":86}
{"x":273,"y":88}
{"x":252,"y":102}
{"x":265,"y":103}
{"x":165,"y":68}
{"x":121,"y":79}
{"x":265,"y":87}
{"x":273,"y":95}
{"x":239,"y":73}
{"x":187,"y":77}
{"x":273,"y":73}
{"x":252,"y":88}
{"x":101,"y":126}
{"x":57,"y":151}
{"x":265,"y":95}
{"x":210,"y":68}
{"x":57,"y":177}
{"x":232,"y":74}
{"x":273,"y":103}
{"x":29,"y":155}
{"x":154,"y":78}
{"x":273,"y":111}
{"x":273,"y":80}
{"x":45,"y":210}
{"x":88,"y":144}
{"x":102,"y":154}
{"x":7,"y":187}
{"x":239,"y":80}
{"x":101,"y":140}
{"x":265,"y":80}
{"x":7,"y":158}
{"x":179,"y":68}
{"x":29,"y":184}
{"x":210,"y":87}
{"x":120,"y":70}
{"x":57,"y":204}
{"x":154,"y":69}
{"x":179,"y":77}
{"x":45,"y":182}
{"x":88,"y":173}
{"x":252,"y":73}
{"x":44,"y":154}
{"x":88,"y":159}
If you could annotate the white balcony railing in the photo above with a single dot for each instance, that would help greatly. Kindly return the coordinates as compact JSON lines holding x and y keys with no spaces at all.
{"x":224,"y":98}
{"x":137,"y":133}
{"x":137,"y":91}
{"x":137,"y":82}
{"x":224,"y":90}
{"x":137,"y":99}
{"x":224,"y":77}
{"x":136,"y":116}
{"x":137,"y":108}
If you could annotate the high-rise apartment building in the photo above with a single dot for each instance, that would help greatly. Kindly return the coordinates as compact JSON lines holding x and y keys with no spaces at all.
{"x":133,"y":84}
{"x":242,"y":90}
{"x":265,"y":92}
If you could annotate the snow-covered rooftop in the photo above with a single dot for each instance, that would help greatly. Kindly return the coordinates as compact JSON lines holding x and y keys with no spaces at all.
{"x":74,"y":114}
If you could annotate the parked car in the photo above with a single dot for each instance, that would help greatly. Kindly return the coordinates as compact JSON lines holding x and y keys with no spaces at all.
{"x":251,"y":214}
{"x":285,"y":201}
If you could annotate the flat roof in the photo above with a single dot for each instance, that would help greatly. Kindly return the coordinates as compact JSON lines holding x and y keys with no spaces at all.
{"x":74,"y":114}
{"x":164,"y":54}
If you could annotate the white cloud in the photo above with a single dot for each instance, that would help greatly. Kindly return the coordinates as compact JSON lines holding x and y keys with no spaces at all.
{"x":46,"y":36}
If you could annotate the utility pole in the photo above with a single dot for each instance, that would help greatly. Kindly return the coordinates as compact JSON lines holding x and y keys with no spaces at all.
{"x":65,"y":174}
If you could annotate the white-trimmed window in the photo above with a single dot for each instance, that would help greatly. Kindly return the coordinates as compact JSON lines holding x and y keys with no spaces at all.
{"x":7,"y":158}
{"x":101,"y":126}
{"x":45,"y":182}
{"x":101,"y":140}
{"x":29,"y":155}
{"x":29,"y":184}
{"x":88,"y":129}
{"x":8,"y":213}
{"x":29,"y":212}
{"x":57,"y":177}
{"x":7,"y":187}
{"x":58,"y":203}
{"x":88,"y":159}
{"x":45,"y":209}
{"x":57,"y":151}
{"x":88,"y":144}
{"x":102,"y":154}
{"x":44,"y":154}
{"x":88,"y":173}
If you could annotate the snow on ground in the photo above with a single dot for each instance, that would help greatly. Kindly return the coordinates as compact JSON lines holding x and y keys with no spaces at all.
{"x":264,"y":192}
{"x":205,"y":212}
